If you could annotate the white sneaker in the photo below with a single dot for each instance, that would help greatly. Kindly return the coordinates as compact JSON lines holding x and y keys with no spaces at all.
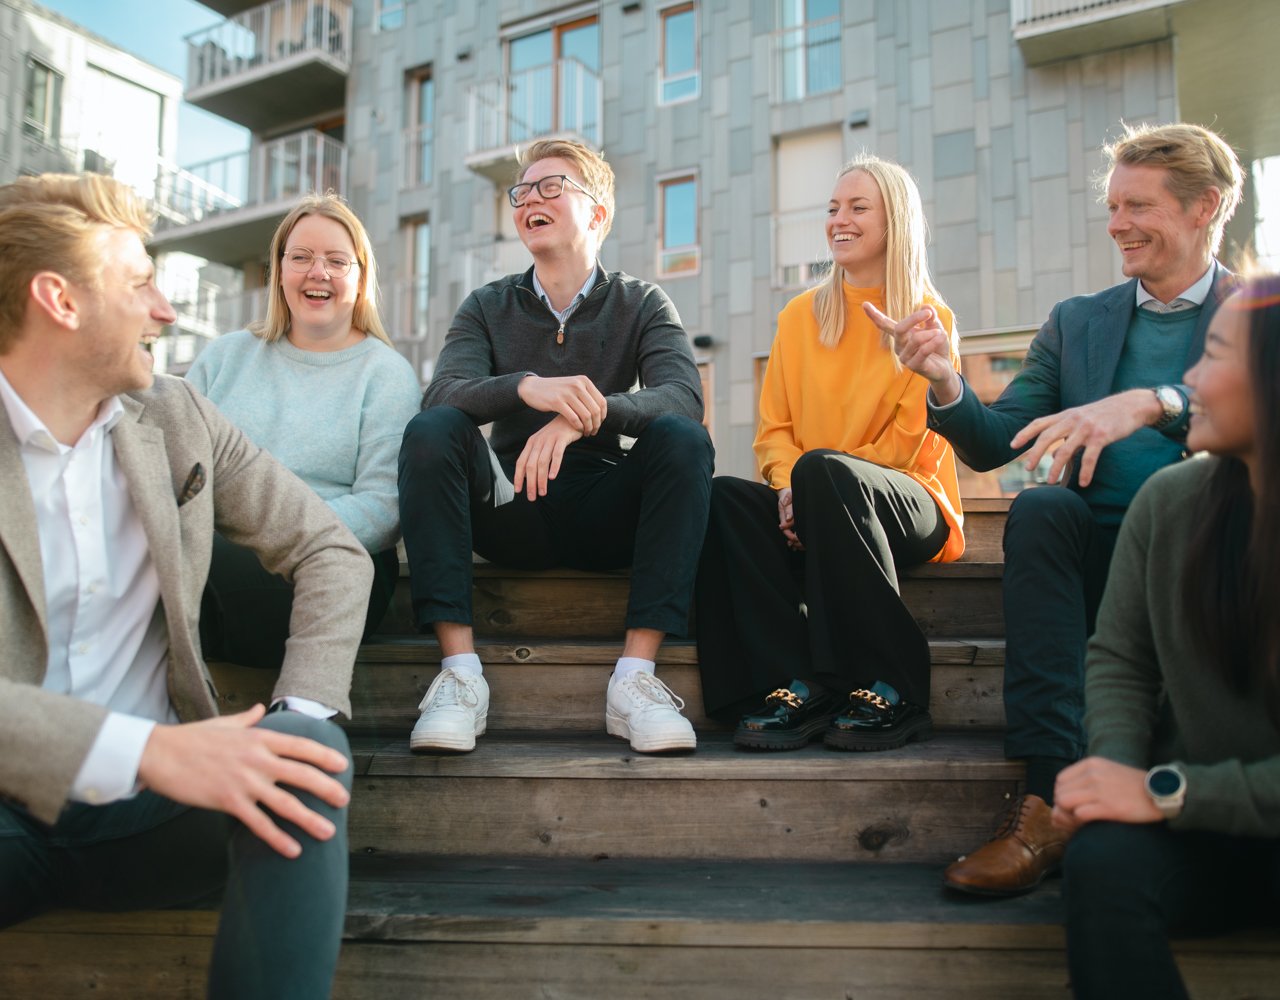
{"x":454,"y":710}
{"x":642,"y":709}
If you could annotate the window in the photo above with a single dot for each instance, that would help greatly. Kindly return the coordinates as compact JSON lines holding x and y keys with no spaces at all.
{"x":419,"y":291}
{"x":41,"y":114}
{"x":679,"y":77}
{"x":388,"y":15}
{"x":554,"y":81}
{"x":678,"y":251}
{"x":420,"y":111}
{"x":805,"y":172}
{"x":808,"y":48}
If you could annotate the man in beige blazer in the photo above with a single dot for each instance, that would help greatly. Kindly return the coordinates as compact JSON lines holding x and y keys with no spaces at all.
{"x":120,"y":787}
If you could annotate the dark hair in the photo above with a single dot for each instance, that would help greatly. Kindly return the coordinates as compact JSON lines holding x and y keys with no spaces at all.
{"x":1232,"y":586}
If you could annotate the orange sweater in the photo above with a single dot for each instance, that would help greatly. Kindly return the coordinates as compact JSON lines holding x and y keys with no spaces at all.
{"x":853,"y":399}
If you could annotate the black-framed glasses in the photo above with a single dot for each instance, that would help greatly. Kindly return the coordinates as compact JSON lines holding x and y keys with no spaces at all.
{"x":336,"y":265}
{"x":551,"y":186}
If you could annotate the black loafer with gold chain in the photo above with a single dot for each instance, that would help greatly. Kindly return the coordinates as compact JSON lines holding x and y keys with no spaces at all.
{"x":878,"y":719}
{"x":790,"y":718}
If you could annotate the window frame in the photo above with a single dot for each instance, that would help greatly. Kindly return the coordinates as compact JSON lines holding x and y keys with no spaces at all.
{"x":48,"y":128}
{"x":381,"y":8}
{"x":415,"y":124}
{"x":665,"y":79}
{"x":665,"y":253}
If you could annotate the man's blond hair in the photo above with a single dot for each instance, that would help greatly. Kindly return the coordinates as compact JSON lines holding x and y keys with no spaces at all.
{"x":1194,"y":160}
{"x":48,"y":223}
{"x":597,"y":175}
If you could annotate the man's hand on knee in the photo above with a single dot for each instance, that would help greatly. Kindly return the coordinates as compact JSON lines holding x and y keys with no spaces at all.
{"x":227,"y":765}
{"x":1086,"y":429}
{"x":539,"y":462}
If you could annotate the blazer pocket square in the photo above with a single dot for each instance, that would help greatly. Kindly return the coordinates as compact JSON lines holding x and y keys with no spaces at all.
{"x":193,"y":485}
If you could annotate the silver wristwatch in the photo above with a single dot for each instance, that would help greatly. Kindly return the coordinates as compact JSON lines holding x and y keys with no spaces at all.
{"x":1172,"y":402}
{"x":1167,"y":786}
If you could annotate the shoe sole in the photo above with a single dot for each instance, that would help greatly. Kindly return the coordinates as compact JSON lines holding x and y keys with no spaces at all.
{"x":976,"y":890}
{"x":751,"y":739}
{"x":841,"y":740}
{"x":458,"y":744}
{"x":617,"y":726}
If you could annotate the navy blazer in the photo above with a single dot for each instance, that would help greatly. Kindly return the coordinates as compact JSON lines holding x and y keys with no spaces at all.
{"x":1072,"y":361}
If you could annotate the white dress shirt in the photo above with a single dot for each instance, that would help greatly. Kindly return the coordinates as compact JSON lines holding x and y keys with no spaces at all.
{"x":108,"y":639}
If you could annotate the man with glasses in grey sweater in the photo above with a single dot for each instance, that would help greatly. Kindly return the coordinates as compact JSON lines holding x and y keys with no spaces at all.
{"x":551,"y":358}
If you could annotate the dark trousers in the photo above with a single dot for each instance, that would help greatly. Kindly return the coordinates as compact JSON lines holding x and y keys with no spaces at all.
{"x":1128,"y":885}
{"x":1056,"y":558}
{"x":244,"y":613}
{"x":646,"y":510}
{"x":860,"y":524}
{"x":281,"y":923}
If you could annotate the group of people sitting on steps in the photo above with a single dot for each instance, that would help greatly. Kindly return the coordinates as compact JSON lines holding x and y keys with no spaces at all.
{"x":143,"y":529}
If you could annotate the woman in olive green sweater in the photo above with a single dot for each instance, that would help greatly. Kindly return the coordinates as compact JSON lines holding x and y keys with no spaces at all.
{"x":1178,"y":806}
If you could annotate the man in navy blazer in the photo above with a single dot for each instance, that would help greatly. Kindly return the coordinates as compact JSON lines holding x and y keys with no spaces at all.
{"x":1099,"y":392}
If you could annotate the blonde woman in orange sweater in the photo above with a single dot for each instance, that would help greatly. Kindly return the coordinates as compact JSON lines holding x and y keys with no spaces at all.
{"x":799,"y":619}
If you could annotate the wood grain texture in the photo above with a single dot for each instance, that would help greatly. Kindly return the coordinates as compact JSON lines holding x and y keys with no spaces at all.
{"x":559,"y":685}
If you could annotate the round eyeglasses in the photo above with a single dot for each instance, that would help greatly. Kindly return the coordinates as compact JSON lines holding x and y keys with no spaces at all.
{"x":551,"y":186}
{"x":335,"y":265}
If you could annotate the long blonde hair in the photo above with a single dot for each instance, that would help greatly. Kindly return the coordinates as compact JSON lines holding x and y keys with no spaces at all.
{"x":906,"y":264}
{"x":364,"y":315}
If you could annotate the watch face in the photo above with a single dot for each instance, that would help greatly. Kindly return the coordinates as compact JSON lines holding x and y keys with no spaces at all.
{"x":1164,"y":782}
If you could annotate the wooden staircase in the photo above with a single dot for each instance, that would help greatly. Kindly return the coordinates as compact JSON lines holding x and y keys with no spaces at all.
{"x":553,"y":862}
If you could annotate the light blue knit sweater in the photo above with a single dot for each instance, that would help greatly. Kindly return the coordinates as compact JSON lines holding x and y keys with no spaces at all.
{"x":334,"y":418}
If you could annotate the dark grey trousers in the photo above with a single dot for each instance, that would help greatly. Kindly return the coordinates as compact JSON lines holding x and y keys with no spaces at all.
{"x":281,"y":924}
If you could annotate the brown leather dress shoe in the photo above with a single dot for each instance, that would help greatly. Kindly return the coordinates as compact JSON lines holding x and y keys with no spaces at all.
{"x":1025,"y":849}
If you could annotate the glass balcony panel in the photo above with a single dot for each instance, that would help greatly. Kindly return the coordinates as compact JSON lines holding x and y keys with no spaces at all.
{"x":807,"y":60}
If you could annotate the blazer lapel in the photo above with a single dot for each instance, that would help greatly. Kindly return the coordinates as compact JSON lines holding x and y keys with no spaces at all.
{"x":18,"y":533}
{"x":140,"y":451}
{"x":1224,"y":283}
{"x":1107,"y":330}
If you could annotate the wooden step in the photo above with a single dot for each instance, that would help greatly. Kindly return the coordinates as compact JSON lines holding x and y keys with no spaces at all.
{"x":947,"y":599}
{"x":560,"y":685}
{"x":475,"y":929}
{"x":587,"y":796}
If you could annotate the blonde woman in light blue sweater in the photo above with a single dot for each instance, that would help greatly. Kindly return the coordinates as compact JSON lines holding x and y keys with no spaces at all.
{"x":319,"y":386}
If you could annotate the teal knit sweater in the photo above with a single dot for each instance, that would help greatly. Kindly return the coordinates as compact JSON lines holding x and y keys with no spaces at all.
{"x":335,"y":419}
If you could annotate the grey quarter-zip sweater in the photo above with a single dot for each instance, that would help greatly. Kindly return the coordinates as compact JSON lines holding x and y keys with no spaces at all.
{"x":626,"y":337}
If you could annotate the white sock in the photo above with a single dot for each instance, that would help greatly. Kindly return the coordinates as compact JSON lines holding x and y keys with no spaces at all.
{"x":463,"y":663}
{"x":631,"y":664}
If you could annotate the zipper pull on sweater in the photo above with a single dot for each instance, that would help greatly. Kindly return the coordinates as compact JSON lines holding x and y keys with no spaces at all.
{"x":560,"y":334}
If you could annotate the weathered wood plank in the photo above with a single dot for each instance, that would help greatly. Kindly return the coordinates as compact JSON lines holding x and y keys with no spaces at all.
{"x":561,"y":685}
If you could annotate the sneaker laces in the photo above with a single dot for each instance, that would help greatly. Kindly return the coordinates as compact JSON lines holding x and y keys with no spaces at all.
{"x":461,"y":691}
{"x":653,"y":691}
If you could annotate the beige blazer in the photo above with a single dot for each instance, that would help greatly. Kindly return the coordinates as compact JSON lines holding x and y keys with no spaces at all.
{"x":166,"y":432}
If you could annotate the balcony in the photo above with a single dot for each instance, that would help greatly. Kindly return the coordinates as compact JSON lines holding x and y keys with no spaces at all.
{"x":561,"y":99}
{"x":806,"y":60}
{"x":1047,"y":30}
{"x":226,"y":209}
{"x":273,"y":63}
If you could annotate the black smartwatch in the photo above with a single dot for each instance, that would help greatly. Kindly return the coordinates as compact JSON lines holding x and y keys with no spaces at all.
{"x":1167,"y":786}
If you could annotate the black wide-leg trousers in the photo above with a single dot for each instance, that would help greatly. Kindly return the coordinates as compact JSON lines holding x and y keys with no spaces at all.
{"x":831,"y":613}
{"x":646,"y":510}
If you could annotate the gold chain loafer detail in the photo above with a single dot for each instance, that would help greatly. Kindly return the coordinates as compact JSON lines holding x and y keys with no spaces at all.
{"x":1024,"y":851}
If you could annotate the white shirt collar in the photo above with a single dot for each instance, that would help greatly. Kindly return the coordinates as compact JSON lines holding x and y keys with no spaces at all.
{"x":1196,"y":294}
{"x":29,"y":429}
{"x":582,"y":292}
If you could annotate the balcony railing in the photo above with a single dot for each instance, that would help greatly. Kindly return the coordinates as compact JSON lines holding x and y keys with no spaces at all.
{"x":277,"y":171}
{"x":274,"y":32}
{"x":418,"y":160}
{"x":806,"y":60}
{"x":1027,"y":12}
{"x":561,"y":97}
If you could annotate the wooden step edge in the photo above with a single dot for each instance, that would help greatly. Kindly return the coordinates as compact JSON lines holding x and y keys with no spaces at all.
{"x":424,"y":650}
{"x":952,"y":756}
{"x":963,"y":567}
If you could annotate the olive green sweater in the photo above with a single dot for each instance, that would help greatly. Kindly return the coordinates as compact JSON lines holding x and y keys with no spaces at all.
{"x":1150,"y":698}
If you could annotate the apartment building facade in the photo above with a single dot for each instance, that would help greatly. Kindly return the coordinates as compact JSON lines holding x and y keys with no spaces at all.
{"x":725,"y":122}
